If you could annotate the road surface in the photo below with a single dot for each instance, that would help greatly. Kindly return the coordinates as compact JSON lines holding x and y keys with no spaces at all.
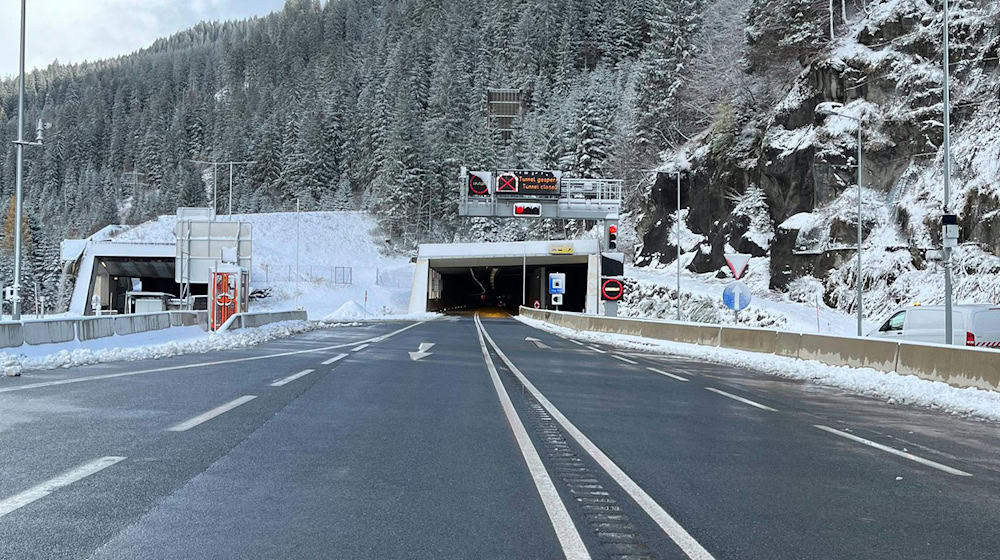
{"x":445,"y":440}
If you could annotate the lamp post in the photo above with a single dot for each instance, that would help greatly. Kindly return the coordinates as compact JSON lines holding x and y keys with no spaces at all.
{"x":18,"y":196}
{"x":948,"y":335}
{"x":828,"y":110}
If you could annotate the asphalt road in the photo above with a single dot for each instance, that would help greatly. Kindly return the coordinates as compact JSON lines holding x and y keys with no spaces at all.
{"x":338,"y":443}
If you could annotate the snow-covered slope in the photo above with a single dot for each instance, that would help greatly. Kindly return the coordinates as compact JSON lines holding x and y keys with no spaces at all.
{"x":340,"y":260}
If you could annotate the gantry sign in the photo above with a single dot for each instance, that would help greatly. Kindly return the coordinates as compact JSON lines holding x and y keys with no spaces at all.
{"x":518,"y":193}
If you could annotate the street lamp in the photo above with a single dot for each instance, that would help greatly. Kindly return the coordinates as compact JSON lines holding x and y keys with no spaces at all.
{"x":828,"y":109}
{"x":18,"y":210}
{"x":946,"y":244}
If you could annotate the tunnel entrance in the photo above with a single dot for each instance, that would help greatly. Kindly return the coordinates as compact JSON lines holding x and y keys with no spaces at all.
{"x":465,"y":277}
{"x":464,"y":289}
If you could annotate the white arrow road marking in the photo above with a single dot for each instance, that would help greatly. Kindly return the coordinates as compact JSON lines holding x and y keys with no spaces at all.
{"x":44,"y":489}
{"x":536,"y":342}
{"x":422,"y":351}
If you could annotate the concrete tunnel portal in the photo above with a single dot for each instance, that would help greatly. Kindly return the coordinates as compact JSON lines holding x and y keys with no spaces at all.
{"x":460,"y":277}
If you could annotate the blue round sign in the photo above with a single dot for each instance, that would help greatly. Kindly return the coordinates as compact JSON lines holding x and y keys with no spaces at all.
{"x":736,"y":296}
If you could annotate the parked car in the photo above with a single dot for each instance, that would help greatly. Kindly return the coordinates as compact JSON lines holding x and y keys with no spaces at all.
{"x":972,"y":325}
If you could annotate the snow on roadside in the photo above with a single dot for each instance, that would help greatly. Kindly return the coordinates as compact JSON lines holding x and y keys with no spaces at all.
{"x":893,"y":388}
{"x":116,"y":349}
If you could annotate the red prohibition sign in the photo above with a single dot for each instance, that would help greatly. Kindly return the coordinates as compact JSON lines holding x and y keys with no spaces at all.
{"x":507,"y":183}
{"x":616,"y":289}
{"x":478,"y":187}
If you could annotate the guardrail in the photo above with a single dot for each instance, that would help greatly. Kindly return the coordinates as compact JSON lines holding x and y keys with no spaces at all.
{"x":959,"y":366}
{"x":250,"y":320}
{"x":50,"y":331}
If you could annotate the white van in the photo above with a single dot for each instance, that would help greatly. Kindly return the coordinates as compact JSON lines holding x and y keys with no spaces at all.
{"x":972,"y":325}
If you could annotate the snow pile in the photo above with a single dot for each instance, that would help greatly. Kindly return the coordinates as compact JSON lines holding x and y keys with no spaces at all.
{"x":890,"y":387}
{"x":207,"y":342}
{"x":349,"y":311}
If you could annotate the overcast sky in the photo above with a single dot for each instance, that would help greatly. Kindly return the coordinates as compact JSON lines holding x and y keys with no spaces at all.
{"x":78,"y":30}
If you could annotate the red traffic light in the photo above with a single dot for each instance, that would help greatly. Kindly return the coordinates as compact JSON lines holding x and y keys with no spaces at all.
{"x":612,"y":229}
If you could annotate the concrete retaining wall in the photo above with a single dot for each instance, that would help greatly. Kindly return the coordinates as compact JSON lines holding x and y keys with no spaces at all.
{"x":49,"y":331}
{"x":959,"y":366}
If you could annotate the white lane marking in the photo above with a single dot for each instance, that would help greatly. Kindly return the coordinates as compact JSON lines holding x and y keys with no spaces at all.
{"x":44,"y":489}
{"x":598,"y":350}
{"x":197,"y":365}
{"x":566,"y":531}
{"x":898,"y":453}
{"x":624,"y":359}
{"x":577,"y":342}
{"x":359,"y":348}
{"x":336,"y":358}
{"x":425,"y":346}
{"x":741,"y":399}
{"x":291,"y":378}
{"x":668,"y":524}
{"x":661,"y":372}
{"x":205,"y":417}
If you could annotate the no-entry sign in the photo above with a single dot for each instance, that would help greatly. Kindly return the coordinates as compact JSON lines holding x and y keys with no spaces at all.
{"x":612,"y":289}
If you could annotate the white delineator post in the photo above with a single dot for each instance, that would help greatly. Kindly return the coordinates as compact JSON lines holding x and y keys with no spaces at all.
{"x":678,"y":220}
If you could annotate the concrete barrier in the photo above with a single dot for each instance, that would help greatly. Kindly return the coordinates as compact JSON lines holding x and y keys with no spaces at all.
{"x":251,"y":320}
{"x":189,"y":319}
{"x":955,"y":365}
{"x":141,"y":322}
{"x":749,"y":339}
{"x":958,"y":366}
{"x":11,"y":334}
{"x":91,"y":328}
{"x":849,"y":351}
{"x":47,"y":331}
{"x":788,"y":344}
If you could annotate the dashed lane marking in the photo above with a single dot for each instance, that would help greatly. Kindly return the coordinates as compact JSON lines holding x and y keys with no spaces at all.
{"x":292,"y":377}
{"x":670,"y":375}
{"x":205,"y":417}
{"x":896,"y":452}
{"x":336,"y":358}
{"x":598,"y":350}
{"x":741,"y":399}
{"x":44,"y":489}
{"x":624,"y":359}
{"x":359,"y":348}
